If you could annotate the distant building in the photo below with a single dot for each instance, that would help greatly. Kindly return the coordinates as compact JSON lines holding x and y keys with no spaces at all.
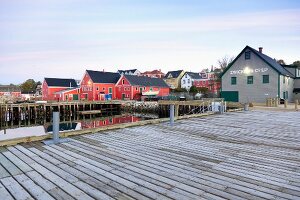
{"x":129,"y":72}
{"x":210,"y":81}
{"x":154,"y":74}
{"x":188,"y":79}
{"x":10,"y":91}
{"x":52,"y":85}
{"x":173,"y":78}
{"x":98,"y":85}
{"x":254,"y":76}
{"x":134,"y":87}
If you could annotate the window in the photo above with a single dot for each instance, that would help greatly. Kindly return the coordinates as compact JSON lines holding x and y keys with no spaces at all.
{"x":151,"y":89}
{"x":136,"y":88}
{"x":283,"y":95}
{"x":266,"y":79}
{"x":110,"y":90}
{"x":103,"y":89}
{"x":123,"y":82}
{"x":247,"y":55}
{"x":284,"y":80}
{"x":183,"y":81}
{"x":185,"y":75}
{"x":97,"y":88}
{"x":287,"y":95}
{"x":249,"y":79}
{"x":144,"y":88}
{"x":233,"y":80}
{"x":189,"y":81}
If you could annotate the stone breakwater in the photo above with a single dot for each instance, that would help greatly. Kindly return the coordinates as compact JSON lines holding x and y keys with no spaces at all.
{"x":140,"y":107}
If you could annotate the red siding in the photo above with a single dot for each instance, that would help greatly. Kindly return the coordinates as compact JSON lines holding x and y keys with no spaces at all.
{"x":48,"y":92}
{"x":123,"y":87}
{"x":95,"y":91}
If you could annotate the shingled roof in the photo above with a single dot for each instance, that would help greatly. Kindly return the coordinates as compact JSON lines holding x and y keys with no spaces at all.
{"x":194,"y":75}
{"x":146,"y":81}
{"x":128,"y":71}
{"x":103,"y":77}
{"x":174,"y":74}
{"x":60,"y":82}
{"x":268,"y":60}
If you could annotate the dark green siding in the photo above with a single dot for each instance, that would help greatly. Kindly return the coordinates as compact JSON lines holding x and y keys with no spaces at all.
{"x":230,"y":96}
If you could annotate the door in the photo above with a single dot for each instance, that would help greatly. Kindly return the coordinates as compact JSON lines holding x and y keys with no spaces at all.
{"x":123,"y":96}
{"x":230,"y":96}
{"x":75,"y":97}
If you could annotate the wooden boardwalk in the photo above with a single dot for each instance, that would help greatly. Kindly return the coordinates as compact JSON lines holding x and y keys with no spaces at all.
{"x":246,"y":155}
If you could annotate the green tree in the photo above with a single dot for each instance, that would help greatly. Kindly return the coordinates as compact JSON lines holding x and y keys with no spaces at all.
{"x":28,"y":86}
{"x":193,"y":90}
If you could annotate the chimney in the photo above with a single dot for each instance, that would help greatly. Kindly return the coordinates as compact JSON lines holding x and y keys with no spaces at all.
{"x":260,"y":49}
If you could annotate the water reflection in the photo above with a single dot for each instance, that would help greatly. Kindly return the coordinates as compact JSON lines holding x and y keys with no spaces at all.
{"x":37,"y":130}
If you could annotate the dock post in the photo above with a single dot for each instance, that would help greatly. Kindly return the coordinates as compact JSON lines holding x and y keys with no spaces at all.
{"x":55,"y":130}
{"x":296,"y":104}
{"x":172,"y":108}
{"x":285,"y":103}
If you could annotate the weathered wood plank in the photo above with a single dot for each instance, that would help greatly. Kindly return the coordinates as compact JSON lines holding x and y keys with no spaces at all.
{"x":15,"y":189}
{"x":4,"y":194}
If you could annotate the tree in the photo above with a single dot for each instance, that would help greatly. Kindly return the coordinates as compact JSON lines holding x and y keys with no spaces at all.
{"x":224,"y":62}
{"x":297,"y":63}
{"x":28,"y":86}
{"x":280,"y":61}
{"x":193,"y":90}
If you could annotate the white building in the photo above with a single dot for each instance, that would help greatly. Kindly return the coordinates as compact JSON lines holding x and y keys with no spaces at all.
{"x":188,"y":79}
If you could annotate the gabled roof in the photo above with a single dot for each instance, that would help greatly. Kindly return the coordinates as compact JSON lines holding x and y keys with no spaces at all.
{"x":103,"y":77}
{"x":60,"y":82}
{"x":153,"y":72}
{"x":268,"y":60}
{"x":146,"y":81}
{"x":194,"y":75}
{"x":127,"y":71}
{"x":174,"y":74}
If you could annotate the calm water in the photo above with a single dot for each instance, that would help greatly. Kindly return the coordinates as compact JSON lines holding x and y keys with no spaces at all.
{"x":24,"y":128}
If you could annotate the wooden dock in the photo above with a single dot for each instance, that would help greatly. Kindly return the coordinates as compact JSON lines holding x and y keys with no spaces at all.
{"x":244,"y":155}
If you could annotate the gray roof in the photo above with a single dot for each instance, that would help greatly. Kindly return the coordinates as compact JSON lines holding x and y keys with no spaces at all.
{"x":61,"y":82}
{"x":9,"y":88}
{"x":272,"y":62}
{"x":174,"y":74}
{"x":103,"y":77}
{"x":268,"y":60}
{"x":194,"y":75}
{"x":127,"y":71}
{"x":146,"y":81}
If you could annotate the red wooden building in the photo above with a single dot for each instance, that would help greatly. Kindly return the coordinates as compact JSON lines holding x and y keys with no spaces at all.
{"x":134,"y":87}
{"x":70,"y":94}
{"x":97,"y":85}
{"x":52,"y":85}
{"x":210,"y":81}
{"x":153,"y":74}
{"x":108,"y":121}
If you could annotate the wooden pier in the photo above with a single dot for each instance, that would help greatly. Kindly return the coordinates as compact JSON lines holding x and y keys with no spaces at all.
{"x":39,"y":113}
{"x":245,"y":155}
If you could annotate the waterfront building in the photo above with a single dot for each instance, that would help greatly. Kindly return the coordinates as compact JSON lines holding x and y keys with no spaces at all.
{"x":154,"y":74}
{"x":98,"y":85}
{"x":52,"y":85}
{"x":10,"y":91}
{"x":173,"y":78}
{"x":136,"y":87}
{"x":70,"y":94}
{"x":129,"y":72}
{"x":253,"y":76}
{"x":188,"y":79}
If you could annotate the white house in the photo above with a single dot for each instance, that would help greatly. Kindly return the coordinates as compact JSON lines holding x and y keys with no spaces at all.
{"x":188,"y":79}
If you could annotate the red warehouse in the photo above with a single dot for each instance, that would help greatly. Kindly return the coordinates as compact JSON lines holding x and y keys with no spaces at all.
{"x":134,"y":87}
{"x":52,"y":85}
{"x":97,"y":85}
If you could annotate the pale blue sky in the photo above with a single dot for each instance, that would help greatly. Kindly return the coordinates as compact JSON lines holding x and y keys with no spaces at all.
{"x":62,"y":38}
